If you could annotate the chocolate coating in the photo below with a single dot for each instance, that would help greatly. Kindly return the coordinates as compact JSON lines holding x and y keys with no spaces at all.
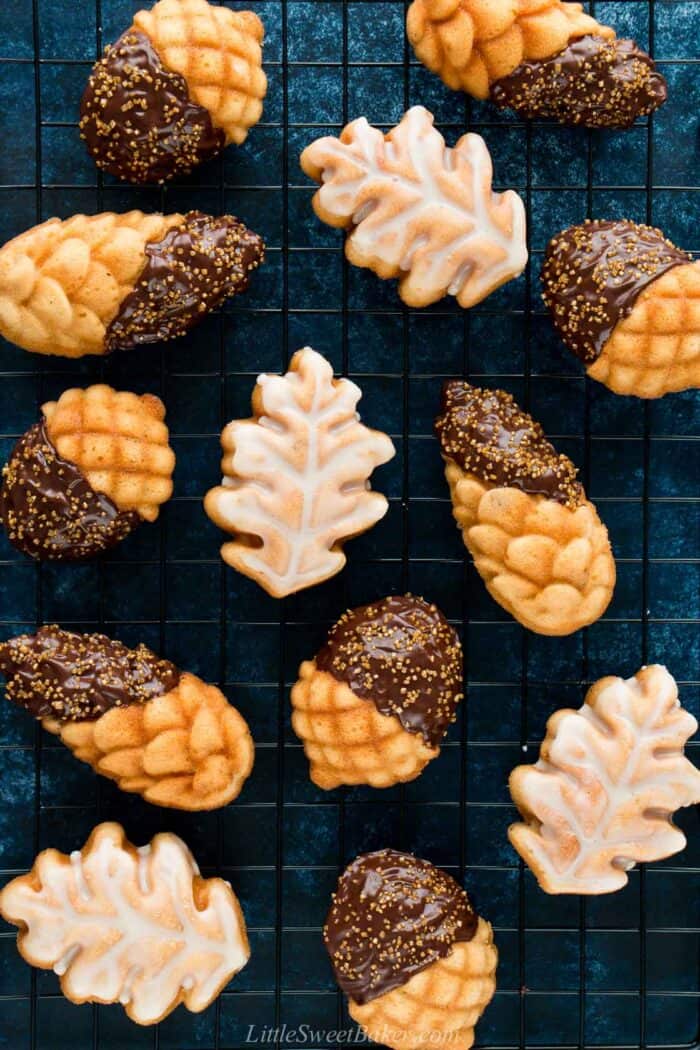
{"x":594,"y":82}
{"x":486,"y":433}
{"x":78,"y":677}
{"x":49,"y":508}
{"x":403,"y":655}
{"x":191,"y":271}
{"x":137,"y":117}
{"x":392,"y":916}
{"x":593,"y":275}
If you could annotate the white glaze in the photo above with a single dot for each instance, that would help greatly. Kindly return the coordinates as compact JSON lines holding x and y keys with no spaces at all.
{"x":297,"y":478}
{"x":421,"y":210}
{"x":610,"y":777}
{"x":119,"y":928}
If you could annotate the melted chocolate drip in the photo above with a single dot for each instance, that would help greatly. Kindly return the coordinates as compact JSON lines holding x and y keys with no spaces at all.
{"x":401,"y":654}
{"x":138,"y":119}
{"x":49,"y":508}
{"x":192,"y":270}
{"x":77,"y":677}
{"x":594,"y":82}
{"x":593,"y":275}
{"x":486,"y":433}
{"x":391,"y":917}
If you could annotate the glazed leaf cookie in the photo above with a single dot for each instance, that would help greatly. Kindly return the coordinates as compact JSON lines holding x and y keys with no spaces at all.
{"x":182,"y":82}
{"x":537,"y":542}
{"x":132,"y":716}
{"x":626,"y":302}
{"x":542,"y":58}
{"x":295,"y":483}
{"x":99,"y":283}
{"x":135,"y":926}
{"x":419,"y":210}
{"x":609,"y":778}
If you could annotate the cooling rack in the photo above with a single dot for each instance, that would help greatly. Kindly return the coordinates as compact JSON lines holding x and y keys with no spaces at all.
{"x":616,"y":971}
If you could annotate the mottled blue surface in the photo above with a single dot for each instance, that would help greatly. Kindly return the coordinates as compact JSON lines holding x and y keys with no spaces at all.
{"x":606,"y":972}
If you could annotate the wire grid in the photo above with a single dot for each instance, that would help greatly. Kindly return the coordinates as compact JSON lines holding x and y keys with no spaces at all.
{"x":615,"y":971}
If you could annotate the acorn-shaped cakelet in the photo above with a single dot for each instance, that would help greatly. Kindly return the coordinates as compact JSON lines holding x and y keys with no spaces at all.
{"x":184,"y":81}
{"x":374,"y":705}
{"x":82,"y":479}
{"x":94,"y":284}
{"x":542,"y":58}
{"x":134,"y":717}
{"x":417,"y":964}
{"x":626,"y":302}
{"x":537,"y":542}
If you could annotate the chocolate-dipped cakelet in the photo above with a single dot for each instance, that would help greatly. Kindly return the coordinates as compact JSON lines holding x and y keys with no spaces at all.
{"x":132,"y":716}
{"x":541,"y":58}
{"x":374,"y":705}
{"x":626,"y":302}
{"x":416,"y":962}
{"x":184,"y":81}
{"x":82,"y":479}
{"x":537,"y":542}
{"x":101,"y":283}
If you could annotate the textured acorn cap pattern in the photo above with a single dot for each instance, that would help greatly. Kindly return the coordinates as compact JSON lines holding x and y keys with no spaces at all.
{"x":218,"y":52}
{"x":188,"y":749}
{"x":549,"y":566}
{"x":472,"y":43}
{"x":656,"y":349}
{"x":63,"y":282}
{"x":347,"y":740}
{"x":441,"y":1005}
{"x":120,"y":443}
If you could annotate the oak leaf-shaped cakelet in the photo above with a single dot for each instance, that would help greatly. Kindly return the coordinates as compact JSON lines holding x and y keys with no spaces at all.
{"x":296,"y":475}
{"x":419,"y":210}
{"x":609,"y":778}
{"x":118,"y":924}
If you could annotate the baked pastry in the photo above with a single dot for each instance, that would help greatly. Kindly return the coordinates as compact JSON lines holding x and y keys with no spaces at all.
{"x":184,"y":81}
{"x":132,"y":716}
{"x":626,"y":302}
{"x":419,"y":210}
{"x":537,"y":542}
{"x":375,"y":703}
{"x":542,"y":58}
{"x":132,"y":925}
{"x":94,"y":284}
{"x":295,"y":483}
{"x":417,"y":964}
{"x":82,"y":479}
{"x":609,"y":778}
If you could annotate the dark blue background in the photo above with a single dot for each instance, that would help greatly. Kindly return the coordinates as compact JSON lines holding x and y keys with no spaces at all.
{"x":584,"y":967}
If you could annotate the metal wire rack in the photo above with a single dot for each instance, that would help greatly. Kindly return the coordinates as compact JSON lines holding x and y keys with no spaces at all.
{"x":620,"y":971}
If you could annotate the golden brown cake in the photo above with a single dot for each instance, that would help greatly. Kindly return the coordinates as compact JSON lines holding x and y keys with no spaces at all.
{"x":626,"y":302}
{"x":417,"y":963}
{"x":134,"y":926}
{"x":119,"y":441}
{"x":184,"y":81}
{"x":100,"y":283}
{"x":374,"y":705}
{"x":543,"y":58}
{"x":79,"y":481}
{"x":537,"y":542}
{"x":132,"y":716}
